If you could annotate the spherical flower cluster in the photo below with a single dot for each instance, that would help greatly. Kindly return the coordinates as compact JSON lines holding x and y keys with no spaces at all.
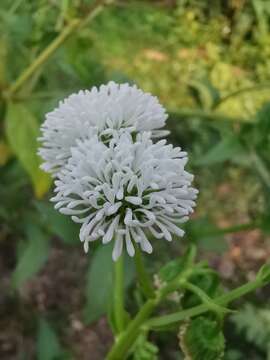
{"x":112,"y":178}
{"x":106,"y":111}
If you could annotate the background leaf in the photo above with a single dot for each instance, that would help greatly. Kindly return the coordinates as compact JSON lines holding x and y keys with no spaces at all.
{"x":205,"y":94}
{"x":206,"y":235}
{"x":33,"y":257}
{"x":99,"y":286}
{"x":227,"y":149}
{"x":48,"y":347}
{"x":22,"y":130}
{"x":58,"y":224}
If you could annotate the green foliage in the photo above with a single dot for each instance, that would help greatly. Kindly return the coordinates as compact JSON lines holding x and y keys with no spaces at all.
{"x":254,"y":324}
{"x":202,"y":338}
{"x":33,"y":256}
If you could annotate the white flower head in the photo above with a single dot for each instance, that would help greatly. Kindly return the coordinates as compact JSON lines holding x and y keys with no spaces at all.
{"x":111,"y":109}
{"x":126,"y":190}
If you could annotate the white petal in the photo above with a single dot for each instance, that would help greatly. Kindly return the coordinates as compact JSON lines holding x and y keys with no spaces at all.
{"x":109,"y":234}
{"x":129,"y":245}
{"x":118,"y":246}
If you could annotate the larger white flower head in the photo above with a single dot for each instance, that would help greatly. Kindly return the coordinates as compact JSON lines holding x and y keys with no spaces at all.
{"x":111,"y":109}
{"x":122,"y":191}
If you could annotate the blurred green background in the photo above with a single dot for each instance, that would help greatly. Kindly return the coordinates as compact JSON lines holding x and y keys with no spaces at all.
{"x":209,"y":64}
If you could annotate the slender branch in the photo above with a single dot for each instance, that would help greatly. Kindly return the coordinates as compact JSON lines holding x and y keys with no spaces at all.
{"x":143,"y":277}
{"x":118,"y":300}
{"x":260,"y":167}
{"x":55,"y":44}
{"x":240,"y":92}
{"x":205,"y":298}
{"x":236,"y":228}
{"x":125,"y":341}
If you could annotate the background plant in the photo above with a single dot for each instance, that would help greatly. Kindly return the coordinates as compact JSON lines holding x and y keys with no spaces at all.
{"x":213,"y":67}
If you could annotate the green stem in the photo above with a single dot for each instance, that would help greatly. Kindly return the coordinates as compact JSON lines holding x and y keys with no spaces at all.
{"x":236,"y":228}
{"x":200,"y":309}
{"x":143,"y":277}
{"x":55,"y":44}
{"x":125,"y":341}
{"x":203,"y":114}
{"x":212,"y":306}
{"x":119,"y":314}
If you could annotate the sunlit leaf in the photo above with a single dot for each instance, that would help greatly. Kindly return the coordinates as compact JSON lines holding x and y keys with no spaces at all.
{"x":5,"y":153}
{"x":22,"y":132}
{"x":3,"y":58}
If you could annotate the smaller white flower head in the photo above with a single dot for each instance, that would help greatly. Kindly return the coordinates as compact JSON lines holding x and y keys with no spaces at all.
{"x":113,"y":108}
{"x":125,"y":190}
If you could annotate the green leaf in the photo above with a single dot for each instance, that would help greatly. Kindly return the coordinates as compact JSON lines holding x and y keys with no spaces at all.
{"x":48,"y":347}
{"x":227,"y":149}
{"x":22,"y":132}
{"x":33,"y":257}
{"x":58,"y":224}
{"x":204,"y":93}
{"x":99,"y":287}
{"x":202,"y":339}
